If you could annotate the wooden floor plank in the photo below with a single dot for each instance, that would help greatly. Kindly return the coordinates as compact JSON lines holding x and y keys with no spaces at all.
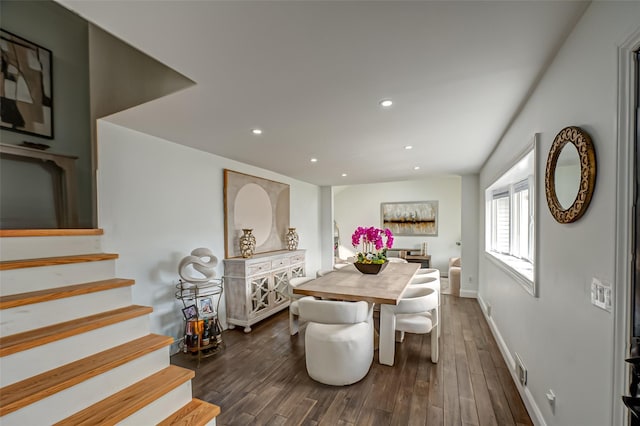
{"x":468,"y":413}
{"x":499,"y":401}
{"x":486,"y":416}
{"x":300,"y":412}
{"x":332,"y":416}
{"x":418,"y":407}
{"x":518,"y":410}
{"x":269,"y":363}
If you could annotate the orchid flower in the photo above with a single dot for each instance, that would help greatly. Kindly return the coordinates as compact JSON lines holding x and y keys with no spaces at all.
{"x":375,"y":242}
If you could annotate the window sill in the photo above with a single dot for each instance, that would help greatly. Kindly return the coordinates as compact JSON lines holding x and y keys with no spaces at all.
{"x":520,"y":270}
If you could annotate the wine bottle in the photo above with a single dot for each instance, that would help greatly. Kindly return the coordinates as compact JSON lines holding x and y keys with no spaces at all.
{"x":217,"y":331}
{"x":205,"y":333}
{"x":194,"y":343}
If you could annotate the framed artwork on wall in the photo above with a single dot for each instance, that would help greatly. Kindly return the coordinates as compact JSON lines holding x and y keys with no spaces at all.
{"x":251,"y":202}
{"x":27,"y":89}
{"x":410,"y":218}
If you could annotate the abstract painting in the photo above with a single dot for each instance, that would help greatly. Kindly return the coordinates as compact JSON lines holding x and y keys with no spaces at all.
{"x":410,"y":218}
{"x":26,"y":99}
{"x":254,"y":203}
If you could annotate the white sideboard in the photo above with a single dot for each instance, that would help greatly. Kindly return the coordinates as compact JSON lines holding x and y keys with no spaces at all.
{"x":256,"y":288}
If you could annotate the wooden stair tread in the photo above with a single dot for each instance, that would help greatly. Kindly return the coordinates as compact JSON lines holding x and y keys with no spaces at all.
{"x":49,"y":232}
{"x":195,"y":413}
{"x":22,"y":299}
{"x":121,"y":405}
{"x":35,"y":388}
{"x":27,"y":340}
{"x":58,"y":260}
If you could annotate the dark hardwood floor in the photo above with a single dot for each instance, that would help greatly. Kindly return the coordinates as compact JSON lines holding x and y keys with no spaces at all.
{"x":260,"y":378}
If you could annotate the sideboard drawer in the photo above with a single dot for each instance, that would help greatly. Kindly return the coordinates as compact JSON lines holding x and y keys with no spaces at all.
{"x":298,"y":258}
{"x":259,"y":268}
{"x":279,"y":263}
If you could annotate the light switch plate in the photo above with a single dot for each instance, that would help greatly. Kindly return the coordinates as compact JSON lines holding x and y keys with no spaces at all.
{"x":601,"y":295}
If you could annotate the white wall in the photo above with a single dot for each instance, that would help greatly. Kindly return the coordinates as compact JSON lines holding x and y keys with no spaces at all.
{"x":64,"y":33}
{"x":565,"y":342}
{"x":359,"y":205}
{"x":470,"y":241}
{"x":158,"y":200}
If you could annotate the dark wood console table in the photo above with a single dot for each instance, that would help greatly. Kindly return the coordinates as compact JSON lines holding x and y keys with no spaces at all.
{"x":424,"y":260}
{"x":417,"y":258}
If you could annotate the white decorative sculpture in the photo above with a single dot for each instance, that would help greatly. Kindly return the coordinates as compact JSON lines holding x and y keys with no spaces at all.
{"x":197,"y":262}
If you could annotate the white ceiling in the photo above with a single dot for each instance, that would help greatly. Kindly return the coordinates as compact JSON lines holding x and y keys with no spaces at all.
{"x":311,"y":74}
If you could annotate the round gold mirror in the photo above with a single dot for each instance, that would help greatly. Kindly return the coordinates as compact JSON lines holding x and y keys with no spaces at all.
{"x":570,"y":176}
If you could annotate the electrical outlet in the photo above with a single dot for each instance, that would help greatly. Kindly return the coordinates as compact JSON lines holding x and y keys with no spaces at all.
{"x":601,"y":295}
{"x":551,"y":398}
{"x":521,"y":370}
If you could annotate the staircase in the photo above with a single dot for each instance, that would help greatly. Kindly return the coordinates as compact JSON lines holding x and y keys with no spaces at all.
{"x":74,"y":350}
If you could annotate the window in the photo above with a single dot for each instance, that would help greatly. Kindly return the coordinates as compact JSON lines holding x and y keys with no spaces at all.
{"x":510,"y":220}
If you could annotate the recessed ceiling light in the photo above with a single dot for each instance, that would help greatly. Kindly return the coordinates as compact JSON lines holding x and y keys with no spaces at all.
{"x":344,"y":175}
{"x":256,"y":131}
{"x":386,"y":103}
{"x":314,"y":160}
{"x":408,"y":147}
{"x":416,"y":168}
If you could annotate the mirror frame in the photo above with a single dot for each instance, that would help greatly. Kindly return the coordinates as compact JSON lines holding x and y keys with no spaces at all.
{"x":586,"y":151}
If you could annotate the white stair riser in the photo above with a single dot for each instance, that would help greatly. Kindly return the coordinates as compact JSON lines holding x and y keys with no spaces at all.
{"x":29,"y":317}
{"x":21,"y":365}
{"x":62,"y":404}
{"x":15,"y":248}
{"x":24,"y":280}
{"x":161,"y":408}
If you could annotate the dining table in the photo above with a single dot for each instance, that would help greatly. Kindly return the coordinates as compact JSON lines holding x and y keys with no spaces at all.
{"x":386,"y":287}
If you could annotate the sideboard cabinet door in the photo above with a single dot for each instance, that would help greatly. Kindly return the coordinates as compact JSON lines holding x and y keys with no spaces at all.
{"x":256,"y":288}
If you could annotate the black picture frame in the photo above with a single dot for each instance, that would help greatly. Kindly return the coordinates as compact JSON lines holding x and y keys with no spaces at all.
{"x":190,"y":312}
{"x":26,"y":105}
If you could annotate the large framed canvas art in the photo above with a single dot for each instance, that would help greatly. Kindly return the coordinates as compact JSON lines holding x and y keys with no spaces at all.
{"x":26,"y":90}
{"x":410,"y":218}
{"x":261,"y":205}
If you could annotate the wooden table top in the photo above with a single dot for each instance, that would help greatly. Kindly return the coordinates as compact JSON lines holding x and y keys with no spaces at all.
{"x":350,"y":284}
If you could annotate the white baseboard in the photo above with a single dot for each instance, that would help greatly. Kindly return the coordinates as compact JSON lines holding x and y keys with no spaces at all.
{"x":472,"y":294}
{"x":527,"y":397}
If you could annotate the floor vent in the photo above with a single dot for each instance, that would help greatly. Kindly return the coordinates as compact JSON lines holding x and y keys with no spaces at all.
{"x":521,"y":370}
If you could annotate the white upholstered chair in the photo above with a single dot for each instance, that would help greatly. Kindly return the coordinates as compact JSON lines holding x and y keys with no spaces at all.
{"x":430,"y":280}
{"x":293,"y":305}
{"x":428,"y":272}
{"x":416,"y":312}
{"x":341,"y":265}
{"x":338,"y":340}
{"x":397,"y":260}
{"x":323,"y":272}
